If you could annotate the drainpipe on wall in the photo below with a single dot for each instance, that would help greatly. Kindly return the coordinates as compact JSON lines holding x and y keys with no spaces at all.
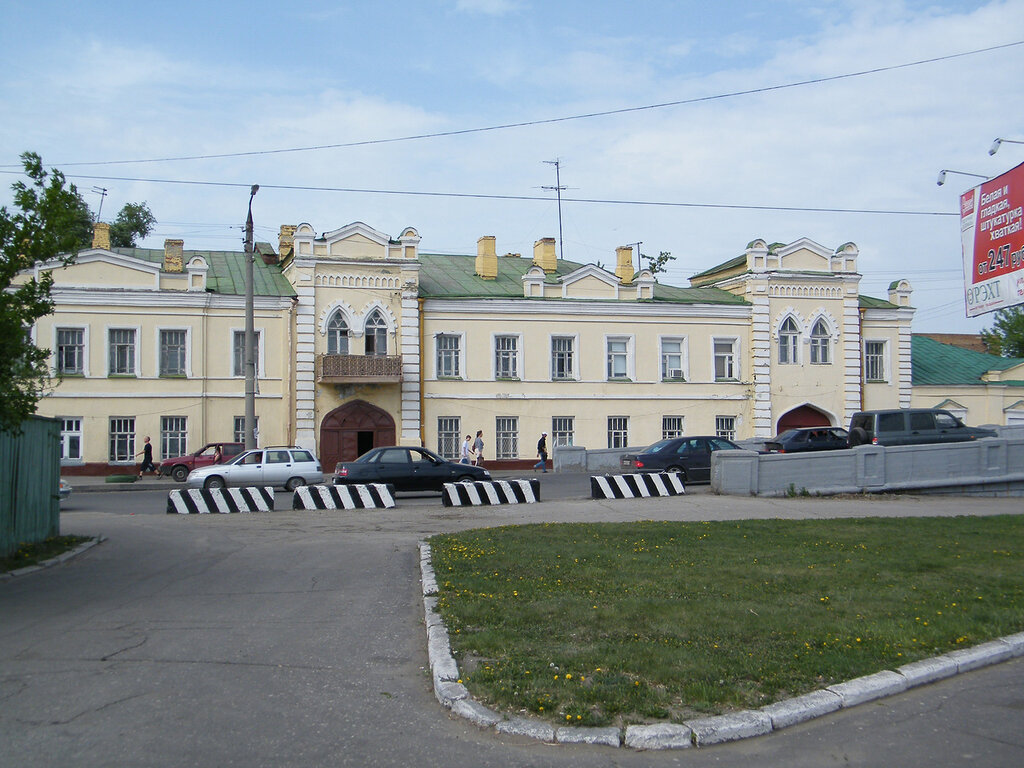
{"x":422,"y":399}
{"x":292,"y":375}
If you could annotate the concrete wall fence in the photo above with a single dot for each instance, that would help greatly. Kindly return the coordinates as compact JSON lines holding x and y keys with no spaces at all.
{"x":29,"y":481}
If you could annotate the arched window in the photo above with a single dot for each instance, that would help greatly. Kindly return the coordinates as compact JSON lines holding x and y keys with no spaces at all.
{"x":789,"y":335}
{"x":337,"y":335}
{"x":376,"y":334}
{"x":820,"y":344}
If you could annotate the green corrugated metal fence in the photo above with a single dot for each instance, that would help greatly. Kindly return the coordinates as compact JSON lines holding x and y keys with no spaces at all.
{"x":29,"y":481}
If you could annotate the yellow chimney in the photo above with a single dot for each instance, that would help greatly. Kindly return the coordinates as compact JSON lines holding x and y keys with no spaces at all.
{"x":286,"y":240}
{"x":174,"y":255}
{"x":624,"y":263}
{"x":544,"y":254}
{"x":486,"y":258}
{"x":101,"y":235}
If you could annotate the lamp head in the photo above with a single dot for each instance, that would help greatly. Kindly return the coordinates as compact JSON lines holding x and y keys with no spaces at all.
{"x":254,"y":190}
{"x":995,"y":146}
{"x":942,"y":178}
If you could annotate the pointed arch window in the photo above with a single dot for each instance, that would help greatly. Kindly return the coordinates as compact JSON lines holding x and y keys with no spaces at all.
{"x":337,"y":334}
{"x":376,"y":334}
{"x":821,"y":344}
{"x":789,"y":335}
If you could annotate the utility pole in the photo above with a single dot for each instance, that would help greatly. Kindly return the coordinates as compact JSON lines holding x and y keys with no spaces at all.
{"x":250,"y":332}
{"x":558,"y":188}
{"x":639,"y":266}
{"x":102,"y":192}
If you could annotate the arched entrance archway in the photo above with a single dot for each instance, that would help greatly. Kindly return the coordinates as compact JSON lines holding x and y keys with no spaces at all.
{"x":346,"y":433}
{"x":804,"y":416}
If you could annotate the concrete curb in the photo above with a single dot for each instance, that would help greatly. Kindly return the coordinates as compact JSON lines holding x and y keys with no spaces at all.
{"x":453,"y":695}
{"x":63,"y":557}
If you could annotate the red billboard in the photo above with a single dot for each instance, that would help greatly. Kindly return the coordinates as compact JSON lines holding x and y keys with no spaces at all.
{"x":992,"y":232}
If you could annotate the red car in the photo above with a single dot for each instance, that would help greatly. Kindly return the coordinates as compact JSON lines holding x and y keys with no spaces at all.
{"x":180,"y":466}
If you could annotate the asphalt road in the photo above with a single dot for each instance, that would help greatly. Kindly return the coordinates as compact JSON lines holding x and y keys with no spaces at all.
{"x":295,"y":638}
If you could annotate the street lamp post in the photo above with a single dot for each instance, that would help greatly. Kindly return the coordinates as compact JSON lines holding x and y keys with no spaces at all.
{"x":942,"y":175}
{"x":250,"y":332}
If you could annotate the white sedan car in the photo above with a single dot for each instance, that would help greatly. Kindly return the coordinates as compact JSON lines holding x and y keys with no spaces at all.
{"x":284,"y":466}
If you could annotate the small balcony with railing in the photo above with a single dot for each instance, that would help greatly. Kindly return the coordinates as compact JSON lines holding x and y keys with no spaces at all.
{"x":358,"y":369}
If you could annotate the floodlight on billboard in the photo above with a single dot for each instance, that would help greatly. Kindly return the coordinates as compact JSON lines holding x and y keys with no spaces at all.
{"x":992,"y":233}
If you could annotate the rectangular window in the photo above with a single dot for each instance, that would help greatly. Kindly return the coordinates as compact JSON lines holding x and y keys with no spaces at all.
{"x":874,"y":361}
{"x":562,"y":429}
{"x":725,"y":426}
{"x":122,"y":352}
{"x":448,"y":430}
{"x":506,"y":437}
{"x":672,"y":368}
{"x":618,"y":358}
{"x":71,"y":351}
{"x":506,"y":357}
{"x":238,"y":431}
{"x":671,"y":426}
{"x":71,"y":439}
{"x":173,"y":436}
{"x":122,"y":439}
{"x":448,"y":356}
{"x":725,"y":359}
{"x":618,"y":431}
{"x":562,"y":358}
{"x":238,"y":355}
{"x":172,"y":355}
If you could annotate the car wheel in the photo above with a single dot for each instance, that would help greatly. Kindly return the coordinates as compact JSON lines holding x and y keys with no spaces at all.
{"x":465,"y":479}
{"x":858,"y":437}
{"x":294,"y":483}
{"x":680,"y":471}
{"x":214,"y":482}
{"x":179,"y":473}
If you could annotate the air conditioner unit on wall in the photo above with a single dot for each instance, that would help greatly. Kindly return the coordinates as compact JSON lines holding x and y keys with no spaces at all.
{"x":675,"y":373}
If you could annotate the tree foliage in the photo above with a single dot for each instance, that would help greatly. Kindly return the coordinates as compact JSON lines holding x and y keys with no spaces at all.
{"x":133,"y":222}
{"x":44,"y":226}
{"x":1006,"y":336}
{"x":659,"y":264}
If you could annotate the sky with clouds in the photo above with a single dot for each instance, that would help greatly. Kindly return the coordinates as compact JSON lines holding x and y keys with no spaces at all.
{"x":692,"y":128}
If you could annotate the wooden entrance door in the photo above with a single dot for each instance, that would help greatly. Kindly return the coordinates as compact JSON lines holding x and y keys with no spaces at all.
{"x":804,"y":416}
{"x":351,"y":430}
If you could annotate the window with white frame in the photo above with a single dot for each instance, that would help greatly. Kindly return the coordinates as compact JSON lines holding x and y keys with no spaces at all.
{"x":875,"y":361}
{"x":376,"y":334}
{"x":725,"y":359}
{"x":121,"y":353}
{"x":618,"y":431}
{"x":337,"y":334}
{"x":821,"y":344}
{"x":563,"y":358}
{"x":673,"y":359}
{"x":448,"y":430}
{"x":789,"y":337}
{"x":71,"y":439}
{"x":506,"y":437}
{"x":448,"y":355}
{"x":506,"y":357}
{"x":725,"y":426}
{"x":618,"y":357}
{"x":562,"y":430}
{"x":71,"y":351}
{"x":238,"y":429}
{"x":173,"y":436}
{"x":122,"y":439}
{"x":238,"y":354}
{"x":671,"y":426}
{"x":173,"y":348}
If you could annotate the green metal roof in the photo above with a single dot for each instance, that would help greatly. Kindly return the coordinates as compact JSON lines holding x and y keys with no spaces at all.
{"x":227,"y":271}
{"x":869,"y":302}
{"x":938,"y":364}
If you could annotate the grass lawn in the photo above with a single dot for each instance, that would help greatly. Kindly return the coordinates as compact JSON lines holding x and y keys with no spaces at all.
{"x":620,"y":623}
{"x":31,"y":554}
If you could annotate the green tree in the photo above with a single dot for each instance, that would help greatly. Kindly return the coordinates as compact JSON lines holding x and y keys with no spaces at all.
{"x":133,"y":222}
{"x":1006,"y":336}
{"x":659,"y":264}
{"x":44,"y":225}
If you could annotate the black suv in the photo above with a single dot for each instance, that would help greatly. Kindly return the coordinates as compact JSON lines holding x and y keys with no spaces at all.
{"x":911,"y":426}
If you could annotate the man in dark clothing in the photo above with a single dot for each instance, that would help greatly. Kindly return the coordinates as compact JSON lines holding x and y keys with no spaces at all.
{"x":542,"y":451}
{"x":147,"y":457}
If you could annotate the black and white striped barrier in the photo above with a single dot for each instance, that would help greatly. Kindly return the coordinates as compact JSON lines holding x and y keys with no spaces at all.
{"x":639,"y":485}
{"x":487,"y":492}
{"x":203,"y":501}
{"x":357,"y":496}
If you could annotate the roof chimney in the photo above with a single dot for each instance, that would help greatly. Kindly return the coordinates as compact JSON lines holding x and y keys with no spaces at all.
{"x":486,"y":258}
{"x":101,"y":235}
{"x":174,"y":255}
{"x":624,"y":263}
{"x":286,"y":240}
{"x":544,"y":254}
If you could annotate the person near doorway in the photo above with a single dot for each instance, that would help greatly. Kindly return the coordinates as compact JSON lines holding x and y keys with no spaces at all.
{"x":465,"y":450}
{"x":542,"y":452}
{"x":147,"y":457}
{"x":478,"y":448}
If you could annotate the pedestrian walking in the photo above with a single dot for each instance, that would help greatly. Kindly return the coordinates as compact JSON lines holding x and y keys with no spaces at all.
{"x":478,"y":448}
{"x":147,"y":457}
{"x":465,"y":450}
{"x":542,"y":451}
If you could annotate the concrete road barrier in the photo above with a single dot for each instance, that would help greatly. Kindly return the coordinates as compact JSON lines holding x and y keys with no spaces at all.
{"x":487,"y":492}
{"x":203,"y":501}
{"x":356,"y":496}
{"x":635,"y":486}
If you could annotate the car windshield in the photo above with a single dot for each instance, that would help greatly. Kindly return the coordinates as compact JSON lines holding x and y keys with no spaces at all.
{"x":783,"y":436}
{"x":658,"y":446}
{"x":240,"y":458}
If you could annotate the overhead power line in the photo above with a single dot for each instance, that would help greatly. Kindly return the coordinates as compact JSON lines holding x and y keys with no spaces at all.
{"x":563,"y":119}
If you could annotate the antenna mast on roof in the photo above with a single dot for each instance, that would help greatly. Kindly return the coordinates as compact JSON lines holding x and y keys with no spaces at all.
{"x":558,"y":188}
